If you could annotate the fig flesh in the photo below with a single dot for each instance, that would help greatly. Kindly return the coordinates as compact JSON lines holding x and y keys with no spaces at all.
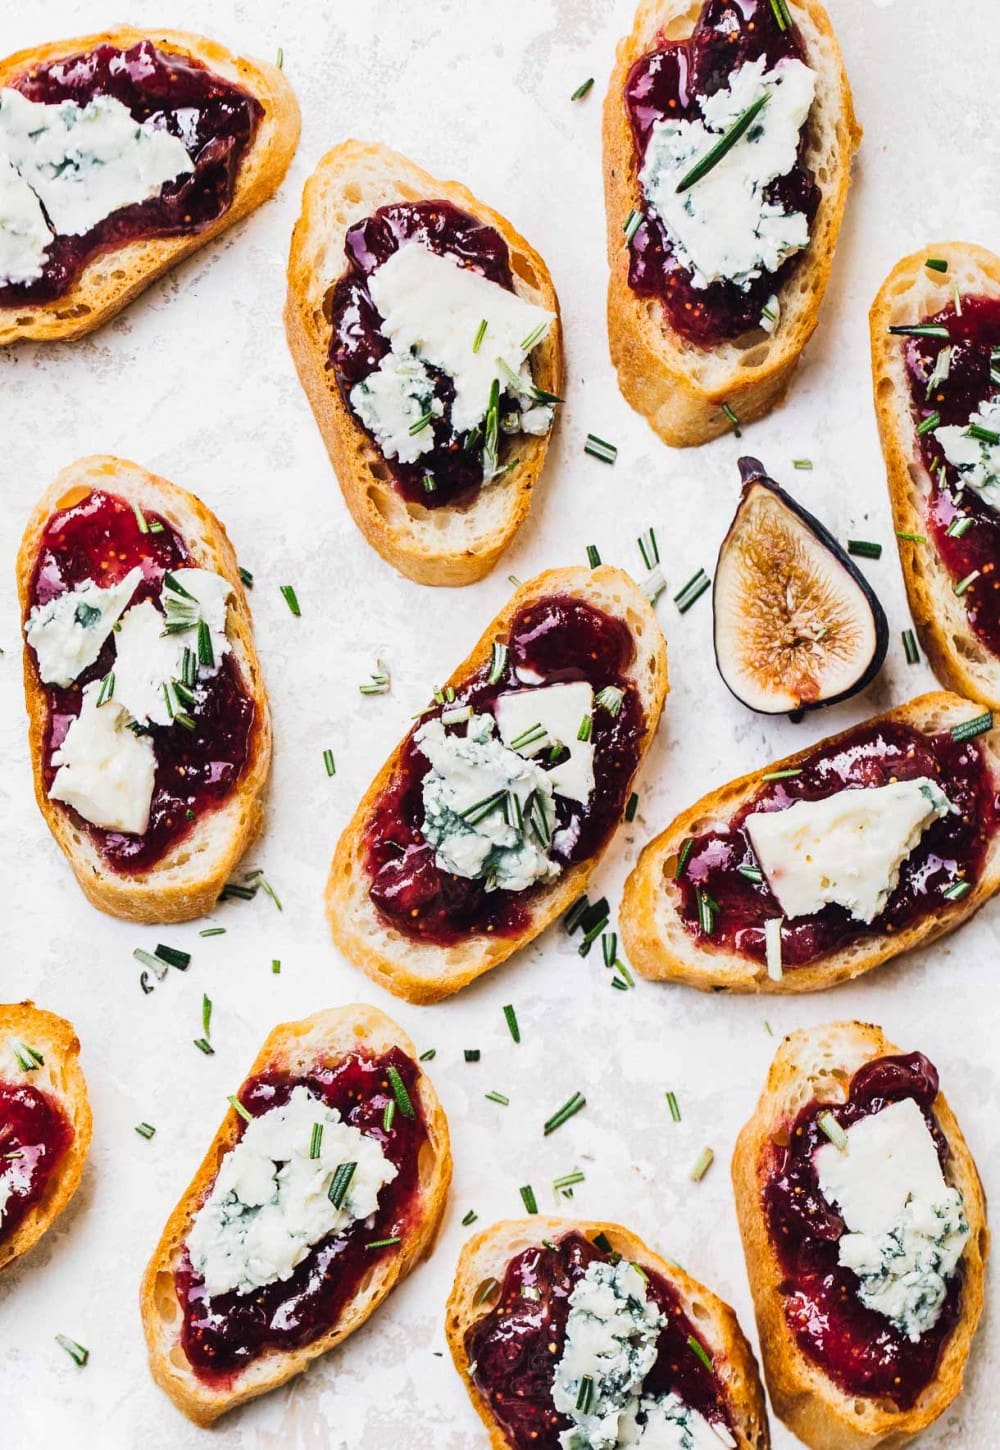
{"x":797,"y":625}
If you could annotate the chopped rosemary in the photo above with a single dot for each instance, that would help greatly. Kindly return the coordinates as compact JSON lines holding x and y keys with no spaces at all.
{"x":384,"y":1243}
{"x":682,"y":857}
{"x":702,"y":1164}
{"x":772,"y":947}
{"x":429,"y":1055}
{"x":593,"y":556}
{"x":174,"y":957}
{"x":969,"y":729}
{"x":692,"y":591}
{"x":960,"y":525}
{"x":512,"y":1025}
{"x":567,"y":1182}
{"x":700,"y":1353}
{"x":725,"y":143}
{"x":864,"y":549}
{"x":632,"y":224}
{"x":246,"y":578}
{"x":803,"y":464}
{"x":28,"y":1059}
{"x":919,"y":329}
{"x":781,"y":15}
{"x":329,"y":762}
{"x":389,"y":1115}
{"x":495,"y":1097}
{"x":983,"y":435}
{"x":316,"y":1142}
{"x":491,"y":433}
{"x":649,"y":548}
{"x":340,"y":1183}
{"x":733,"y":419}
{"x":140,"y":519}
{"x":674,"y":1106}
{"x":599,"y":448}
{"x":470,"y":1217}
{"x":206,"y":1015}
{"x":585,"y":1395}
{"x":399,"y":1092}
{"x":610,"y":699}
{"x":480,"y":334}
{"x":911,"y":538}
{"x":107,"y":689}
{"x":430,"y":483}
{"x":381,"y":680}
{"x":562,"y":1115}
{"x":751,"y":873}
{"x":631,"y":806}
{"x":145,"y":1130}
{"x":203,"y":1045}
{"x":499,"y":655}
{"x":420,"y":424}
{"x":528,"y":1199}
{"x":829,"y":1125}
{"x":936,"y":264}
{"x":787,"y":774}
{"x":910,"y":647}
{"x":586,"y":724}
{"x":486,"y":1290}
{"x":957,"y":890}
{"x":706,"y":911}
{"x":471,"y":1054}
{"x":238,"y":1108}
{"x":583,"y":89}
{"x":963,"y":584}
{"x":291,"y":599}
{"x":275,"y":967}
{"x":76,"y":1352}
{"x":931,"y":422}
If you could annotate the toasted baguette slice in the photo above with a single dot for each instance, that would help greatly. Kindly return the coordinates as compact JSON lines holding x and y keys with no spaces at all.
{"x":816,"y":1064}
{"x":297,"y":1048}
{"x":660,"y":947}
{"x":487,"y":1255}
{"x":111,"y":279}
{"x":61,"y":1077}
{"x":423,"y":972}
{"x":679,"y":387}
{"x":448,"y":545}
{"x":186,"y":882}
{"x":911,"y":293}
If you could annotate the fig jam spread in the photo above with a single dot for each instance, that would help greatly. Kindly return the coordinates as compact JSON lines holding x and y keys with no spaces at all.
{"x":972,"y":338}
{"x":34,"y":1137}
{"x":870,"y":755}
{"x":357,"y":345}
{"x":214,"y":120}
{"x":862,"y":1351}
{"x":516,"y":1347}
{"x":98,"y":537}
{"x":221,"y":1336}
{"x":667,"y":83}
{"x":559,"y":639}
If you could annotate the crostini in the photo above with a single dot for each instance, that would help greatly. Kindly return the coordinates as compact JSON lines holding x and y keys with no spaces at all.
{"x":728,"y":138}
{"x":829,"y":862}
{"x":425,"y":331}
{"x":574,"y":1334}
{"x":45,"y":1124}
{"x":120,"y":154}
{"x":935,"y":338}
{"x":488,"y":819}
{"x":322,"y":1189}
{"x":148,"y":723}
{"x":864,"y":1226}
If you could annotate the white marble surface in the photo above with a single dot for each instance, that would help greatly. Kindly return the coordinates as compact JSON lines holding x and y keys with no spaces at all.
{"x":195,"y":382}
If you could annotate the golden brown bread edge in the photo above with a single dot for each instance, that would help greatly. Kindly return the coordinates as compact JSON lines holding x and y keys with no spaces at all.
{"x":297,"y":1047}
{"x":660,"y":372}
{"x":61,"y":1077}
{"x":174,"y":889}
{"x":487,"y":1255}
{"x":660,"y":947}
{"x":111,"y":279}
{"x":405,"y":535}
{"x":909,"y":294}
{"x":422,"y":972}
{"x":810,"y":1065}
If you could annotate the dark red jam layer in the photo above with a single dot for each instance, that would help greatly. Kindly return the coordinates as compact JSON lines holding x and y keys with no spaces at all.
{"x":221,"y":1336}
{"x":561,"y":639}
{"x":667,"y":83}
{"x":516,"y":1347}
{"x":99,"y":538}
{"x":871,"y":755}
{"x":215,"y":121}
{"x":972,"y":337}
{"x":35,"y":1135}
{"x":357,"y":345}
{"x":860,"y":1350}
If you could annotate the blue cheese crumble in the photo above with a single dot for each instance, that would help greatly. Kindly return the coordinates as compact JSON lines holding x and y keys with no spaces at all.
{"x":722,"y":228}
{"x":976,"y":460}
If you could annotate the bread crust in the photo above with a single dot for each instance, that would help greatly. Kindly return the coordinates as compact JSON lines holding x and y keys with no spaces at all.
{"x":660,"y":947}
{"x":111,"y":279}
{"x":325,"y":1037}
{"x":679,"y":387}
{"x":909,"y":294}
{"x":810,"y":1065}
{"x":487,"y":1254}
{"x":185,"y":883}
{"x":350,"y":183}
{"x":423,"y":972}
{"x":61,"y":1077}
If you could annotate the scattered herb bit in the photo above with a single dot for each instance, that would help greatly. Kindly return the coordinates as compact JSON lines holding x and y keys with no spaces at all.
{"x":340,"y":1183}
{"x":316,"y":1142}
{"x":495,"y":1097}
{"x":983,"y":435}
{"x":911,"y":538}
{"x":803,"y":464}
{"x":960,"y":525}
{"x":602,"y":1242}
{"x":609,"y":946}
{"x":733,"y":420}
{"x":583,"y":89}
{"x":910,"y":647}
{"x":238,"y":1108}
{"x":751,"y":873}
{"x":499,"y":655}
{"x":585,"y":1395}
{"x":931,"y":422}
{"x":586,"y":725}
{"x":772,"y":947}
{"x":707,"y":909}
{"x":76,"y":1352}
{"x":28,"y":1059}
{"x":610,"y":699}
{"x":329,"y":762}
{"x":692,"y":591}
{"x":389,"y":1115}
{"x":649,"y":549}
{"x":919,"y":329}
{"x":275,"y":967}
{"x":781,"y":15}
{"x":246,"y":578}
{"x":829,"y":1125}
{"x":963,"y":584}
{"x":969,"y":729}
{"x":936,"y":264}
{"x":702,"y":1164}
{"x":470,"y":1217}
{"x":206,"y":1015}
{"x":107,"y":689}
{"x":528,"y":1199}
{"x":593,"y":556}
{"x":574,"y":916}
{"x":384,"y":1243}
{"x":511,"y":1019}
{"x":725,"y":143}
{"x":145,"y":1130}
{"x":480,"y":334}
{"x":957,"y":890}
{"x":174,"y":957}
{"x":486,"y":1290}
{"x":203,"y":1045}
{"x":786,"y":774}
{"x":140,"y":519}
{"x":682,"y":857}
{"x":698,"y":1350}
{"x":562,"y":1115}
{"x":567,"y":1183}
{"x":212,"y":931}
{"x":472,"y":1054}
{"x":381,"y":680}
{"x":291,"y":599}
{"x":864,"y":549}
{"x":599,"y":448}
{"x":279,"y":59}
{"x":674,"y":1106}
{"x":632,"y":224}
{"x":631,"y":806}
{"x":429,"y":1055}
{"x":399,"y":1092}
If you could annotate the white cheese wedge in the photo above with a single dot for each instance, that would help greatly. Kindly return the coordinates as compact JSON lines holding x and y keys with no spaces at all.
{"x":270,"y":1202}
{"x":976,"y":460}
{"x":104,"y":770}
{"x":24,"y":233}
{"x":559,"y":710}
{"x":432,"y":308}
{"x":488,"y":811}
{"x":85,"y":162}
{"x":906,"y":1227}
{"x":846,"y":848}
{"x":721,"y":227}
{"x":68,"y":633}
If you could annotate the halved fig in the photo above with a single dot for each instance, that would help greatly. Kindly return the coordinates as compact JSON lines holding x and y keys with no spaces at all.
{"x":797,"y":625}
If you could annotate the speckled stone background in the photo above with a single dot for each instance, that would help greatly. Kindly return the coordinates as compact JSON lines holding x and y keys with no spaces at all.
{"x":195,"y":382}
